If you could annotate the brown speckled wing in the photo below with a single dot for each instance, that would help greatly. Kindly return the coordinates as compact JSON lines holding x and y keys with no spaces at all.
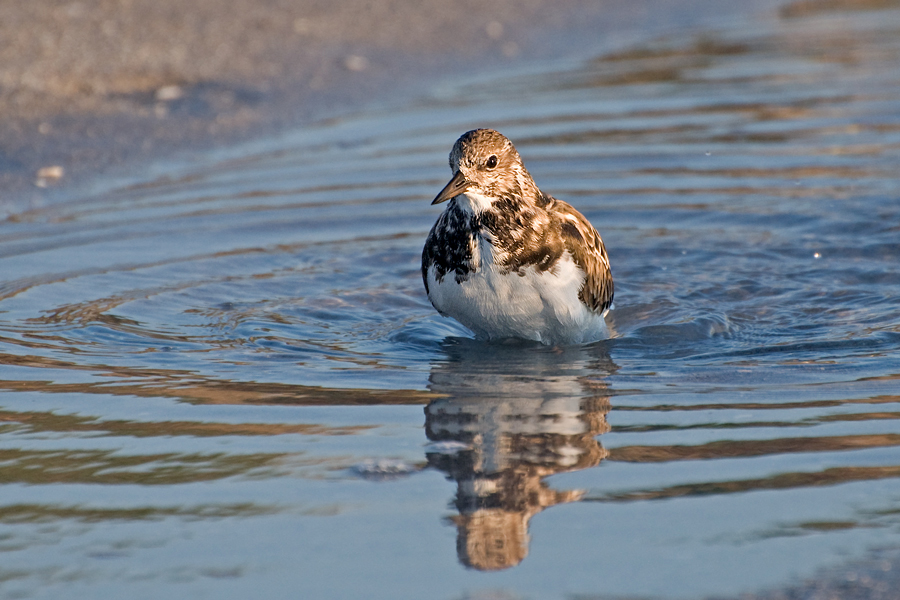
{"x":584,"y":244}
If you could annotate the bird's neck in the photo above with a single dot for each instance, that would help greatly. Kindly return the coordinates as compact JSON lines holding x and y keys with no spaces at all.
{"x":473,"y":203}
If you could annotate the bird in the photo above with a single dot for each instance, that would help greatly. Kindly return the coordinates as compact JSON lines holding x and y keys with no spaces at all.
{"x":509,"y":261}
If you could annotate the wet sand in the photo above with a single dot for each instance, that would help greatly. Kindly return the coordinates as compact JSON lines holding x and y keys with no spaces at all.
{"x":103,"y":87}
{"x":89,"y":86}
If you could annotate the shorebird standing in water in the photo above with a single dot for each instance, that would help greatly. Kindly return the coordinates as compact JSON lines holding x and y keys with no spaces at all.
{"x":508,"y":261}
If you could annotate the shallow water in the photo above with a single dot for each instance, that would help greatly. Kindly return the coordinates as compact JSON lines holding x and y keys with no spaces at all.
{"x":227,"y":381}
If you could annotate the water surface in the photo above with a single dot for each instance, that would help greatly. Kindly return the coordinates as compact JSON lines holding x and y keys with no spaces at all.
{"x":227,"y":380}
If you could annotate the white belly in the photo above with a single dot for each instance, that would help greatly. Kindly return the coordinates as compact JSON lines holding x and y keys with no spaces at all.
{"x":540,"y":306}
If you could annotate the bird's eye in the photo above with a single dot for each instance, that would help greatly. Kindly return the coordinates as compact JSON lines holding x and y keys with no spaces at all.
{"x":491,"y":162}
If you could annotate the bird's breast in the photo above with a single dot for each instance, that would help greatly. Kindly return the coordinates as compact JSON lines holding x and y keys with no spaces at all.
{"x":531,"y":303}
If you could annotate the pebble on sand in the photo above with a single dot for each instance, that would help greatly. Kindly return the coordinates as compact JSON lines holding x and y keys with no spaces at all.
{"x":168,"y":93}
{"x":47,"y":175}
{"x":356,"y":63}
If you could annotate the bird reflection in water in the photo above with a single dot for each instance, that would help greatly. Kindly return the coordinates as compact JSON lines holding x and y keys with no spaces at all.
{"x":509,"y":417}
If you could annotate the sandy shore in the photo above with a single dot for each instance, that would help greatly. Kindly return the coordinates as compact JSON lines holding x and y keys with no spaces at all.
{"x":88,"y":88}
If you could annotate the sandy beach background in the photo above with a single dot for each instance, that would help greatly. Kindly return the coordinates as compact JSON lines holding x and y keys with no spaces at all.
{"x":88,"y":88}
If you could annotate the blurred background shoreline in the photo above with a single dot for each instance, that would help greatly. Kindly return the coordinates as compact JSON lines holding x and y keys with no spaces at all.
{"x":97,"y":89}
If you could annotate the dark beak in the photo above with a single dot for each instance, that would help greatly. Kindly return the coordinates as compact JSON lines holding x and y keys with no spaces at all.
{"x":453,"y":189}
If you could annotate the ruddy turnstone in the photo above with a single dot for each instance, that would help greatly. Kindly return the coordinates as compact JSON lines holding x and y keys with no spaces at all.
{"x":508,"y":261}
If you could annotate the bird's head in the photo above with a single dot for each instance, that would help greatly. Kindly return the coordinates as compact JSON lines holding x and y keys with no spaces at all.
{"x":486,"y":168}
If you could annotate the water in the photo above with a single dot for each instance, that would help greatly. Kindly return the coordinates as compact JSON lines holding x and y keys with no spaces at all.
{"x":226,"y":380}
